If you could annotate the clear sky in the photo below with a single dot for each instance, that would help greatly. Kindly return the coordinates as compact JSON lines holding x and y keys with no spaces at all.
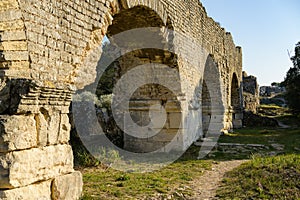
{"x":265,"y":29}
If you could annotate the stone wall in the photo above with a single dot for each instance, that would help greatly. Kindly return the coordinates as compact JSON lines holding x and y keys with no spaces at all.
{"x":250,"y":93}
{"x":50,"y":48}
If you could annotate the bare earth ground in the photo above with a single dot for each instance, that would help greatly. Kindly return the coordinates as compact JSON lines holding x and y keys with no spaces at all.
{"x":205,"y":187}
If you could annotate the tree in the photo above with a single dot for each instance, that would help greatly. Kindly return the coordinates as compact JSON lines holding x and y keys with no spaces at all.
{"x":292,"y":82}
{"x":275,"y":84}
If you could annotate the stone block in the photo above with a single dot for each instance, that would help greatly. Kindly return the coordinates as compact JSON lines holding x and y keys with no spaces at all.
{"x":64,"y":129}
{"x":10,"y":15}
{"x":14,"y":46}
{"x":15,"y":55}
{"x":175,"y":120}
{"x":142,"y":145}
{"x":22,"y":168}
{"x":165,"y":135}
{"x":39,"y":191}
{"x":67,"y":187}
{"x":17,"y":132}
{"x":53,"y":127}
{"x":12,"y":35}
{"x":22,"y":73}
{"x":7,"y":26}
{"x":8,"y":4}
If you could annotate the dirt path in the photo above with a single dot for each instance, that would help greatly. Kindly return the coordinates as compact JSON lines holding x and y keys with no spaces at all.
{"x":205,"y":187}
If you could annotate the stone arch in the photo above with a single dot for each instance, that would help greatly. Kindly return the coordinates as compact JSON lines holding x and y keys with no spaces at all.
{"x":43,"y":49}
{"x":137,"y":17}
{"x":213,"y":110}
{"x":119,"y":11}
{"x":157,"y":6}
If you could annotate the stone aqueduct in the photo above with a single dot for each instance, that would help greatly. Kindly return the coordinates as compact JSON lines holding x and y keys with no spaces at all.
{"x":43,"y":49}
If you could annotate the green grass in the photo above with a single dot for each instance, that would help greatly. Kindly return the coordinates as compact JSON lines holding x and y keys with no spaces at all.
{"x":112,"y":184}
{"x":290,"y":138}
{"x":276,"y":177}
{"x":289,"y":119}
{"x":270,"y":106}
{"x":264,"y":178}
{"x":272,"y":110}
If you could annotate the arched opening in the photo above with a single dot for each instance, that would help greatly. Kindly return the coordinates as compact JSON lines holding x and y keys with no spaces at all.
{"x":212,"y":101}
{"x":146,"y":95}
{"x":136,"y":17}
{"x":236,"y":102}
{"x":213,"y":110}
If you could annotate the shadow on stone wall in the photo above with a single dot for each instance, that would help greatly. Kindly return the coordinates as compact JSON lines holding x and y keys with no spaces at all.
{"x":255,"y":120}
{"x":11,"y":93}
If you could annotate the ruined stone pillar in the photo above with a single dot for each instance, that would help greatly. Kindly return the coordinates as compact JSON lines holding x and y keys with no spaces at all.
{"x":36,"y":160}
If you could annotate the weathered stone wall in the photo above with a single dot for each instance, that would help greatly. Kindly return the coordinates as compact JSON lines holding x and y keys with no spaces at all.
{"x":250,"y":93}
{"x":47,"y":47}
{"x":36,"y":159}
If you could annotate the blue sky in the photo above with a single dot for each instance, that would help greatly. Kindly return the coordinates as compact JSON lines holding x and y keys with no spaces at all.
{"x":266,"y":30}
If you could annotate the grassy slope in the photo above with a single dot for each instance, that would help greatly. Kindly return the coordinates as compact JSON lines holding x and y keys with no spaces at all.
{"x":290,"y":138}
{"x":112,"y":184}
{"x":264,"y":177}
